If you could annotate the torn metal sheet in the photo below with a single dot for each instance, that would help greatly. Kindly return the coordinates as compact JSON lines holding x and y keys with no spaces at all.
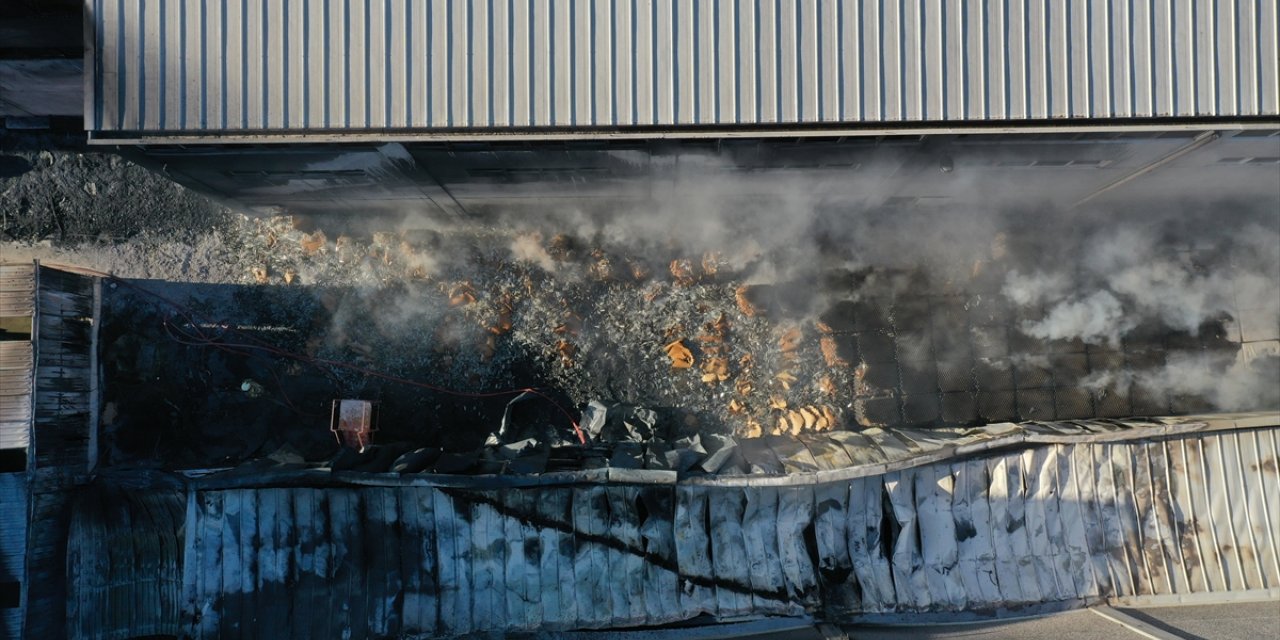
{"x":1065,"y":521}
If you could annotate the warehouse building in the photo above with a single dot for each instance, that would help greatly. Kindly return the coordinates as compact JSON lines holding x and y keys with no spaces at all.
{"x":457,"y":106}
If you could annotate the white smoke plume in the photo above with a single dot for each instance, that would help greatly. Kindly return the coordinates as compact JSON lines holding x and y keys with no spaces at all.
{"x":1129,"y":277}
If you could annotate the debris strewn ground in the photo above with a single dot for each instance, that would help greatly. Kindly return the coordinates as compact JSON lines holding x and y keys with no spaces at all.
{"x":445,"y":324}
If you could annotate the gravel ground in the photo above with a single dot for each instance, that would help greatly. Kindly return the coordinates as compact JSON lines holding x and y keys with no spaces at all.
{"x":70,"y":196}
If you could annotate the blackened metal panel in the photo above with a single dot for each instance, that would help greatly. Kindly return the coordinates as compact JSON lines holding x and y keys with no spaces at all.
{"x":13,"y":545}
{"x":728,"y":553}
{"x":1028,"y":524}
{"x":692,"y":551}
{"x":124,"y":563}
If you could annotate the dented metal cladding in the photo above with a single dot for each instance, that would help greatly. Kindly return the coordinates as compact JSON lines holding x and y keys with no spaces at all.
{"x":47,"y":418}
{"x":990,"y":519}
{"x":295,"y":66}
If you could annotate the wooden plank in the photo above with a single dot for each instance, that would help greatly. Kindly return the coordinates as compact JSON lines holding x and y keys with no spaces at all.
{"x":692,"y":553}
{"x":728,"y":552}
{"x":254,"y":540}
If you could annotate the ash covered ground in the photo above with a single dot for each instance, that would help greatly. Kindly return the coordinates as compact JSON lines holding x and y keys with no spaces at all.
{"x":227,"y":336}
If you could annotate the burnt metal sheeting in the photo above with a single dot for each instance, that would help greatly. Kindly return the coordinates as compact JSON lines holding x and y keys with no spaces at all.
{"x":66,"y":314}
{"x":13,"y":545}
{"x":294,"y":66}
{"x":1158,"y":513}
{"x":124,"y":563}
{"x":63,"y":440}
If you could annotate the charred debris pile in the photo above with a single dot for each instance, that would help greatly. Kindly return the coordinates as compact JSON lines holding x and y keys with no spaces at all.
{"x":445,"y":329}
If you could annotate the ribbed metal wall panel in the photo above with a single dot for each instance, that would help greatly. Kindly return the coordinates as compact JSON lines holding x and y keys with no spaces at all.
{"x":13,"y":546}
{"x":17,"y":300}
{"x":294,"y":65}
{"x":124,"y":546}
{"x":1078,"y":521}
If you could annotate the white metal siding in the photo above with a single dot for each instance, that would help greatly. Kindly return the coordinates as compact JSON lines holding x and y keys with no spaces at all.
{"x":290,"y":65}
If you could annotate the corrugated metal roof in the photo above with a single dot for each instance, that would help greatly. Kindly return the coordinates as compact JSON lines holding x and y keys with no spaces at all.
{"x":1088,"y":513}
{"x":15,"y":394}
{"x":17,"y":299}
{"x":300,"y":65}
{"x":124,"y":567}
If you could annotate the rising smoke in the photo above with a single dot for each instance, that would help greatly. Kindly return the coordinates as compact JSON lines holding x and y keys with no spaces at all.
{"x":1092,"y":275}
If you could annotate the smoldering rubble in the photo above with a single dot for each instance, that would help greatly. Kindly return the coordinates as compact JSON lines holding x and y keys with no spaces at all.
{"x":749,"y":310}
